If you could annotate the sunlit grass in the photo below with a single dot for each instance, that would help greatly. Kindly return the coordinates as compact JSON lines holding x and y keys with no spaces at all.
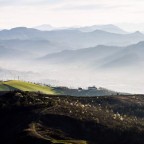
{"x":4,"y":87}
{"x":25,"y":86}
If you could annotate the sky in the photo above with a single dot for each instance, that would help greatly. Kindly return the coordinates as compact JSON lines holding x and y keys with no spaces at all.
{"x":127,"y":14}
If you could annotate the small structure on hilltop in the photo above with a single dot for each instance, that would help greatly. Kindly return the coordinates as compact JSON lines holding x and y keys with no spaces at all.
{"x":80,"y":89}
{"x":92,"y":88}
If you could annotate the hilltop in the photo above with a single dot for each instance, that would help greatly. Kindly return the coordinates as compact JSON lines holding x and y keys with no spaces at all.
{"x":13,"y":85}
{"x":17,"y":85}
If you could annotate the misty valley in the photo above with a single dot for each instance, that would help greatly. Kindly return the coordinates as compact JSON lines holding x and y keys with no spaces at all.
{"x":71,"y":85}
{"x":104,"y":56}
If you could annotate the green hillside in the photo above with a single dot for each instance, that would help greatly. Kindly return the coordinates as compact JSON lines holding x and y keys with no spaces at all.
{"x":24,"y":86}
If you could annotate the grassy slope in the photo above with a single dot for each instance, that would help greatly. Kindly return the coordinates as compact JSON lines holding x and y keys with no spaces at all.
{"x":4,"y":87}
{"x":25,"y":86}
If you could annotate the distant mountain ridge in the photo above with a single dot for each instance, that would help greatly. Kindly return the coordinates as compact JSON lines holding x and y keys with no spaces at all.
{"x":100,"y":56}
{"x":73,"y":38}
{"x":108,"y":28}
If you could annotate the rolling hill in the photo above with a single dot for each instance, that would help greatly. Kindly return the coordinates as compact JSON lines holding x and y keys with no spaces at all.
{"x":100,"y":57}
{"x":81,"y":56}
{"x":14,"y":85}
{"x":4,"y":87}
{"x":34,"y":118}
{"x":25,"y":86}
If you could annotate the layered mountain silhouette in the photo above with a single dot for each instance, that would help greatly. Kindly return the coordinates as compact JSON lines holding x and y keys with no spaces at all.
{"x":100,"y":56}
{"x":109,"y":28}
{"x":75,"y":39}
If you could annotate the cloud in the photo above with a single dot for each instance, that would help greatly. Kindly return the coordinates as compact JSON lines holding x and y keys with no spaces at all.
{"x":69,"y":12}
{"x":78,"y":7}
{"x":90,"y":7}
{"x":28,"y":2}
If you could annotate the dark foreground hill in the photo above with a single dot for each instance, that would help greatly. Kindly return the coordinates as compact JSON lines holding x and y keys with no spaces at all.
{"x":35,"y":118}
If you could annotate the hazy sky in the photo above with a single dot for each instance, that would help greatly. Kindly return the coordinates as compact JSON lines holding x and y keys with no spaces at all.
{"x":71,"y":12}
